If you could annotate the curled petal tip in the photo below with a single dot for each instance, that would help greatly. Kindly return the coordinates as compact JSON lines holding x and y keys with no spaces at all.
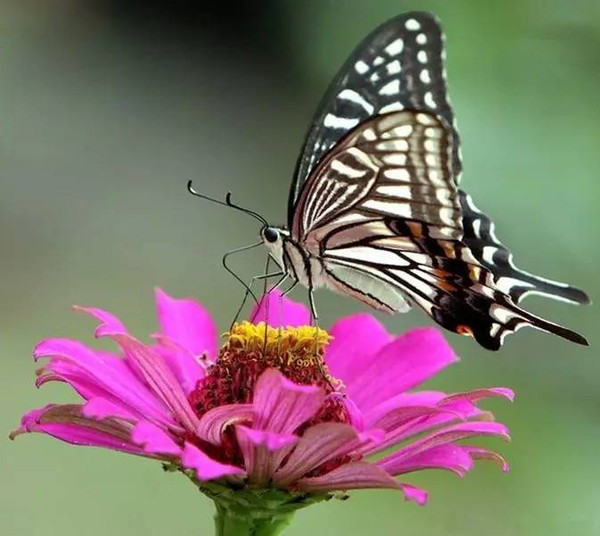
{"x":16,"y":433}
{"x":412,"y":493}
{"x":108,"y":323}
{"x":507,"y":393}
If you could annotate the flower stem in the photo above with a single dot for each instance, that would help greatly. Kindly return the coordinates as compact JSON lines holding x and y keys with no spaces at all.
{"x":255,"y":512}
{"x":229,"y":522}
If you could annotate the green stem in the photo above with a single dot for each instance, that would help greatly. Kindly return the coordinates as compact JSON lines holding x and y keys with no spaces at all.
{"x":234,"y":522}
{"x":255,"y":511}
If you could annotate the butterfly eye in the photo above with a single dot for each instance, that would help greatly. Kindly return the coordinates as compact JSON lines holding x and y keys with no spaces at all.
{"x":271,"y":235}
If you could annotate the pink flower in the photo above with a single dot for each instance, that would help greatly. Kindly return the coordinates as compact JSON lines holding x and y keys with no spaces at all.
{"x":268,"y":412}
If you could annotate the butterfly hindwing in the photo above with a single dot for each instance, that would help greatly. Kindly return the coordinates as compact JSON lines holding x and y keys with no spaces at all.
{"x":480,"y":237}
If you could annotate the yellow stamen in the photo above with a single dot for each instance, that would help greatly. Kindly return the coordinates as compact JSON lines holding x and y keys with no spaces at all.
{"x":289,"y":349}
{"x":291,"y":344}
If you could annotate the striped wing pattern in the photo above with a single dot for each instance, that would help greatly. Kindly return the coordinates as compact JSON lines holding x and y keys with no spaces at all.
{"x":480,"y":237}
{"x":399,"y":66}
{"x":384,"y":215}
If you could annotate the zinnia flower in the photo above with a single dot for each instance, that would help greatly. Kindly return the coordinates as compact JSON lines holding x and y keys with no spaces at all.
{"x":282,"y":416}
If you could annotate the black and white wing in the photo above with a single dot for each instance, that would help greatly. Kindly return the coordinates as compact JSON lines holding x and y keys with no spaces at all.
{"x":375,"y":195}
{"x":400,"y":65}
{"x":383,"y":214}
{"x":481,"y":239}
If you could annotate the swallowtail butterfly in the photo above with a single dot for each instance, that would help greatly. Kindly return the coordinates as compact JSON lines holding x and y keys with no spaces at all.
{"x":375,"y":209}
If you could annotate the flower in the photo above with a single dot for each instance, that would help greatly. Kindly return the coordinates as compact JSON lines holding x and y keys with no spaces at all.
{"x":292,"y":410}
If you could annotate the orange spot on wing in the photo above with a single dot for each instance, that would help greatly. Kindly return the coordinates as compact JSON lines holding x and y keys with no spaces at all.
{"x":415,"y":228}
{"x":475,"y":273}
{"x":462,"y":329}
{"x":449,"y":249}
{"x":441,"y":273}
{"x":446,"y":286}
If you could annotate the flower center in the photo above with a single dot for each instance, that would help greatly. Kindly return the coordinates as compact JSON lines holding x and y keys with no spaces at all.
{"x":253,"y":348}
{"x":297,"y":352}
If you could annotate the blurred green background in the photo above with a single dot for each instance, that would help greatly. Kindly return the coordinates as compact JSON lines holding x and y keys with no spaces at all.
{"x":108,"y":108}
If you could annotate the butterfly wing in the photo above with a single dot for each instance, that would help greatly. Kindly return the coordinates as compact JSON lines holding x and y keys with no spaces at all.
{"x":400,"y":65}
{"x":375,"y":194}
{"x":480,"y":237}
{"x":383,"y":214}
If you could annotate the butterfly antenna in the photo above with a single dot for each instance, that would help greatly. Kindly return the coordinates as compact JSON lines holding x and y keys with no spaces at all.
{"x":255,"y":215}
{"x":227,"y":203}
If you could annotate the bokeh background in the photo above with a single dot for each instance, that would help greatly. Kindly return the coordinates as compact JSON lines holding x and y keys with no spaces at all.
{"x":109,"y":107}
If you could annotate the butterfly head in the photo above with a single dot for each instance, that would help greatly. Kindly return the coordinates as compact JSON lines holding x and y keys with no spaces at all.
{"x":273,"y":239}
{"x":270,"y":235}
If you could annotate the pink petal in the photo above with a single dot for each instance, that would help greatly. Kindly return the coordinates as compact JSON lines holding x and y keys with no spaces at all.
{"x":400,"y":365}
{"x":61,"y":370}
{"x":263,"y":451}
{"x":215,"y":421}
{"x":155,"y":371}
{"x":412,"y":493}
{"x":480,"y":394}
{"x":356,"y":339}
{"x":109,"y":323}
{"x":318,"y":445}
{"x":405,"y":432}
{"x":160,"y":379}
{"x":396,"y":417}
{"x":153,"y":439}
{"x":455,"y":458}
{"x":188,"y":369}
{"x":101,"y":408}
{"x":281,"y":406}
{"x":65,"y":422}
{"x":101,"y":374}
{"x":399,"y":418}
{"x":444,"y":436}
{"x":401,"y":401}
{"x":447,"y":409}
{"x":187,"y":323}
{"x":206,"y":468}
{"x":357,"y":419}
{"x":276,"y":310}
{"x":478,"y":453}
{"x":355,"y":475}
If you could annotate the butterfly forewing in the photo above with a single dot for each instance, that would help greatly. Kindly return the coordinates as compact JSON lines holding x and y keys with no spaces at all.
{"x":395,"y":165}
{"x":398,"y":66}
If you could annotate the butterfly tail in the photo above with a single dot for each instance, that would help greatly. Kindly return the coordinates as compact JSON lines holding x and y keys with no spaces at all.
{"x":537,"y":322}
{"x":481,"y":239}
{"x":490,"y":319}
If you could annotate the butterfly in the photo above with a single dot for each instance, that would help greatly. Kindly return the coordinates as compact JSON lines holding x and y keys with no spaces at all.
{"x":375,"y":210}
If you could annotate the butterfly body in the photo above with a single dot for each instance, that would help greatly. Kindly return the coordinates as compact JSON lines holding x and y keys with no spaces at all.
{"x":375,"y":208}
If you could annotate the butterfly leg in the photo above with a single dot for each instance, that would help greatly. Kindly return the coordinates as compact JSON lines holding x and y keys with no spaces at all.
{"x":283,"y":295}
{"x":314,"y":317}
{"x":255,"y":278}
{"x":282,"y":278}
{"x":280,"y":313}
{"x":313,"y":309}
{"x":319,"y":359}
{"x":279,"y":282}
{"x":292,"y":287}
